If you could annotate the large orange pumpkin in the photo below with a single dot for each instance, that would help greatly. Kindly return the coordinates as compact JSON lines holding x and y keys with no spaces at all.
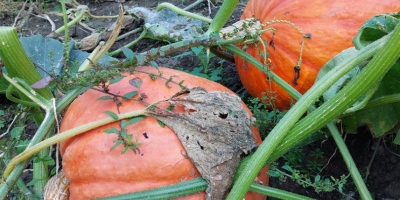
{"x":95,"y":171}
{"x":332,"y":25}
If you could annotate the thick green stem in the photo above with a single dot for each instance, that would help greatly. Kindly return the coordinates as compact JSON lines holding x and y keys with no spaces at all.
{"x":71,"y":23}
{"x":183,"y":12}
{"x":17,"y":63}
{"x":288,"y":88}
{"x":142,"y":35}
{"x":45,"y":127}
{"x":327,"y":112}
{"x":222,"y":16}
{"x":351,"y":165}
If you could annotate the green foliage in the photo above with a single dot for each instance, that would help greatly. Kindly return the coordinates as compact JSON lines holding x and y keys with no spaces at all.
{"x":364,"y":111}
{"x":204,"y":69}
{"x":265,"y":119}
{"x":124,"y":138}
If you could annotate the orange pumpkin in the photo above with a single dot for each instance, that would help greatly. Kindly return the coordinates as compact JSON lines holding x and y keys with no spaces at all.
{"x":94,"y":171}
{"x":332,"y":25}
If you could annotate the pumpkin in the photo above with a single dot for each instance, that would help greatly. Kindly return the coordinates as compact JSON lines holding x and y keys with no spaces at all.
{"x":94,"y":171}
{"x":332,"y":25}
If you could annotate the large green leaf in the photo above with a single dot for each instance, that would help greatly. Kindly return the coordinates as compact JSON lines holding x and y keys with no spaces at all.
{"x":383,"y":118}
{"x":380,"y":119}
{"x":375,"y":28}
{"x":48,"y":54}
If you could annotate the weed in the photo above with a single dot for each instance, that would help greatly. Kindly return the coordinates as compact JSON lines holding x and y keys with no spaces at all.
{"x":265,"y":119}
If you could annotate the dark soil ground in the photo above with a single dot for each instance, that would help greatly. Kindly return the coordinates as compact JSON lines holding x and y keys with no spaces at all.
{"x":384,"y":170}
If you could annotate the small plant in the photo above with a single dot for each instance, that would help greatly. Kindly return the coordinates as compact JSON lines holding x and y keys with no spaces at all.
{"x":265,"y":119}
{"x":318,"y":183}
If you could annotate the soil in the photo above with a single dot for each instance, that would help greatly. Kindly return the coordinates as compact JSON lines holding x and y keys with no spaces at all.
{"x":384,"y":172}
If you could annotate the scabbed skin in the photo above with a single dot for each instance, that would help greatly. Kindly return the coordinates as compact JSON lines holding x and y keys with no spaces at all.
{"x":94,"y":171}
{"x":332,"y":25}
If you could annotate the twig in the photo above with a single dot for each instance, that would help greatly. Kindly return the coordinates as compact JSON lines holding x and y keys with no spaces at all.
{"x":372,"y":159}
{"x":45,"y":16}
{"x":384,"y":143}
{"x":9,"y":127}
{"x":16,"y":18}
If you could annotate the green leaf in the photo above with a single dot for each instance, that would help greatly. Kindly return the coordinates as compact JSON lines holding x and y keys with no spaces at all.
{"x":125,"y":150}
{"x":47,"y":160}
{"x":33,"y":182}
{"x":380,"y":119}
{"x":161,"y":123}
{"x":273,"y":173}
{"x":47,"y":53}
{"x":397,"y":138}
{"x":136,"y":82}
{"x":215,"y":74}
{"x":188,"y":53}
{"x":140,"y":59}
{"x":116,"y":79}
{"x":16,"y":132}
{"x":197,"y":50}
{"x":375,"y":28}
{"x":130,"y":94}
{"x":287,"y":167}
{"x":154,"y":64}
{"x":123,"y":124}
{"x":112,"y":115}
{"x":21,"y":146}
{"x":118,"y":142}
{"x":111,"y":130}
{"x":128,"y":53}
{"x":105,"y":98}
{"x":136,"y":119}
{"x":330,"y":65}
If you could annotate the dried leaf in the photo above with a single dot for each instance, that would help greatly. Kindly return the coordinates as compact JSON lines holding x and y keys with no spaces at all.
{"x":215,"y":131}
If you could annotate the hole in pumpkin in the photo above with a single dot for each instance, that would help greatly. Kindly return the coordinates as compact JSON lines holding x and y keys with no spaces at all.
{"x":191,"y":111}
{"x":201,"y":147}
{"x":145,"y":135}
{"x":223,"y":115}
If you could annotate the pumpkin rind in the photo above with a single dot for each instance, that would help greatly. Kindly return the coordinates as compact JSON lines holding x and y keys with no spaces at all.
{"x":332,"y":25}
{"x":57,"y":188}
{"x":95,"y":171}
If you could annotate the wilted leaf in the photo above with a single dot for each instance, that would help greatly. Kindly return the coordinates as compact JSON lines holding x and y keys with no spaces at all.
{"x":136,"y":82}
{"x":42,"y":83}
{"x":213,"y":138}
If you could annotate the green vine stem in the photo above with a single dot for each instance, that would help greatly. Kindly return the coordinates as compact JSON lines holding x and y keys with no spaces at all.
{"x":351,"y":165}
{"x":45,"y":127}
{"x":376,"y":68}
{"x":141,"y":36}
{"x":199,"y":185}
{"x":394,"y":98}
{"x":65,"y":135}
{"x":17,"y":63}
{"x":183,"y":12}
{"x":71,"y":23}
{"x":19,"y":66}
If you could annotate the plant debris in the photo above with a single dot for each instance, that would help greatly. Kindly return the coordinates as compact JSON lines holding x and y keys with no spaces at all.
{"x":215,"y":131}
